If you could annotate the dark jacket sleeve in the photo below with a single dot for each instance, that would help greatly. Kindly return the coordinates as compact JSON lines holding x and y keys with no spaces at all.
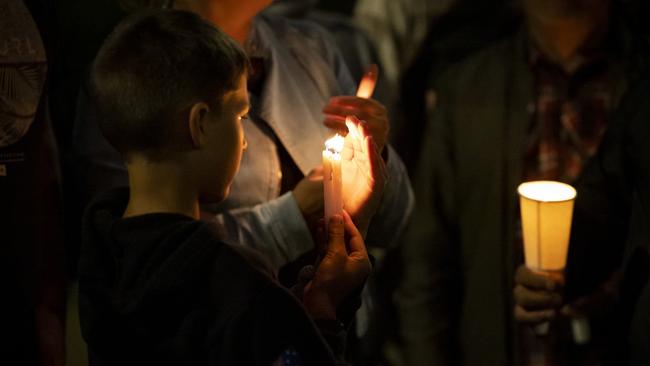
{"x":262,"y":320}
{"x":427,"y":294}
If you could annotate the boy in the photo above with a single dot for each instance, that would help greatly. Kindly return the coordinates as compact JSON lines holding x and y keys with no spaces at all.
{"x":157,"y":285}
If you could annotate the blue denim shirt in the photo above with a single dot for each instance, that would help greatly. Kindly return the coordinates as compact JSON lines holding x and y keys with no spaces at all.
{"x":304,"y":69}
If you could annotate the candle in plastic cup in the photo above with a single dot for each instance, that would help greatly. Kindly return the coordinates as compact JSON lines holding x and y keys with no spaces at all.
{"x":546,"y":212}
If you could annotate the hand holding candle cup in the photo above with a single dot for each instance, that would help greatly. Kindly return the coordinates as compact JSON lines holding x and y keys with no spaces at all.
{"x":546,"y":214}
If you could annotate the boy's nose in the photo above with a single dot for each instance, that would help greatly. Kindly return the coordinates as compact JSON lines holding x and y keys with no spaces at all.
{"x":245,"y":144}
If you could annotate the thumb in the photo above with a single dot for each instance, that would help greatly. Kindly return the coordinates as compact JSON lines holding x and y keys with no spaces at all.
{"x":315,"y":174}
{"x":336,"y":234}
{"x":368,"y":82}
{"x":579,"y":307}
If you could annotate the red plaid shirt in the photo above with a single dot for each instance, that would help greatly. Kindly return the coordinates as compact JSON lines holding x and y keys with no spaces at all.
{"x":570,"y":115}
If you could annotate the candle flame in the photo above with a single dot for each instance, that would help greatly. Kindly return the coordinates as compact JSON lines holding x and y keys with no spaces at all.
{"x":335,"y":144}
{"x":547,"y":191}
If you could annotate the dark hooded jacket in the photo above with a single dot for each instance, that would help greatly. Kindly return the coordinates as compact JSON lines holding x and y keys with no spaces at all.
{"x":163,"y":289}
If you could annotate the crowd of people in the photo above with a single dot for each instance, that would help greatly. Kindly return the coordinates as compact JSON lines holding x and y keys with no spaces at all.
{"x":161,"y":164}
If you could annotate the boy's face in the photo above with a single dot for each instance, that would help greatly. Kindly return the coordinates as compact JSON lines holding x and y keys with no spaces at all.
{"x":225,"y":144}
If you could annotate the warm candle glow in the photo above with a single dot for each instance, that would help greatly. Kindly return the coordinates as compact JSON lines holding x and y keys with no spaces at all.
{"x":335,"y":145}
{"x":332,"y":182}
{"x":547,"y":191}
{"x":546,"y":213}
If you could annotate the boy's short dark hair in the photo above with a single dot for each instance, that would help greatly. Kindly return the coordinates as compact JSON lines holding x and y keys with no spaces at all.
{"x":151,"y":69}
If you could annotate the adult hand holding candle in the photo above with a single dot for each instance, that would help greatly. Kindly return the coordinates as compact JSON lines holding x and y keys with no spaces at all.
{"x":546,"y":214}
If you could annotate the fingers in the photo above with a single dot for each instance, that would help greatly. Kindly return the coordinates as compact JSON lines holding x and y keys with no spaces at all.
{"x":353,"y":139}
{"x":356,"y":243}
{"x":372,"y":113}
{"x":536,"y":300}
{"x":345,"y":105}
{"x":535,"y":280}
{"x":538,"y":316}
{"x":368,"y":82}
{"x":598,"y":303}
{"x":337,"y":123}
{"x":570,"y":311}
{"x":336,"y":235}
{"x":353,"y":123}
{"x":315,"y":174}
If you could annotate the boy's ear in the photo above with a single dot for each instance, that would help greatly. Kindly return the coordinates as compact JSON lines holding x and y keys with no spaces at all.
{"x":197,"y":119}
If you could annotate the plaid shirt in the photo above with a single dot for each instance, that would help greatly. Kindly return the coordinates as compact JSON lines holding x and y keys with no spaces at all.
{"x":570,"y":115}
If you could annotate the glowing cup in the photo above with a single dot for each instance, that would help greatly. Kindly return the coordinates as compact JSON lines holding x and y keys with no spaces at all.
{"x":546,"y":212}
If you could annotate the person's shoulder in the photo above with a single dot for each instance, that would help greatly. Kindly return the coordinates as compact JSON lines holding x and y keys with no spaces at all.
{"x":488,"y":63}
{"x":298,"y":33}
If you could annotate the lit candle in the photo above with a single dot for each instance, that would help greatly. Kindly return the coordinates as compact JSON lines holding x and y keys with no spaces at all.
{"x":546,"y":212}
{"x":332,"y":183}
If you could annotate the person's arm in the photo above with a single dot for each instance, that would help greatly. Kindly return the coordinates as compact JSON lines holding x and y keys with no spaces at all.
{"x":428,"y":295}
{"x":342,"y":270}
{"x":275,"y":228}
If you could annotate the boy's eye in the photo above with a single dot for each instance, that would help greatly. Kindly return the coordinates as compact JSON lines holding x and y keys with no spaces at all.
{"x":244,"y":117}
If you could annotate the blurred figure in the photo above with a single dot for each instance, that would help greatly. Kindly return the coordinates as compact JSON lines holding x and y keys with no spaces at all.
{"x":533,"y":105}
{"x":612,"y":204}
{"x":465,"y":28}
{"x":32,"y":263}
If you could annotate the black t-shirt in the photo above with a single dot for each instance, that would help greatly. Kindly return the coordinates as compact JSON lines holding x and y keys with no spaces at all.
{"x":162,"y":289}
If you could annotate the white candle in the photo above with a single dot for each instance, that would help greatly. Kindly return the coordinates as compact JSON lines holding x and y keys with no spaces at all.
{"x":332,"y":183}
